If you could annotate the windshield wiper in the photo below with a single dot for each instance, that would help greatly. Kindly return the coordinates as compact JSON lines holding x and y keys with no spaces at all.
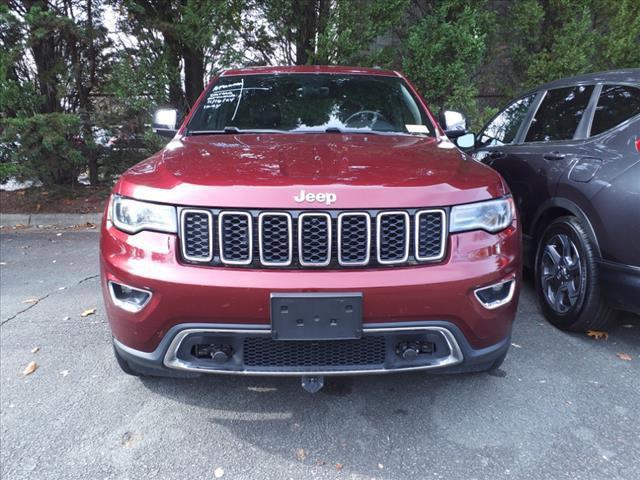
{"x":232,"y":130}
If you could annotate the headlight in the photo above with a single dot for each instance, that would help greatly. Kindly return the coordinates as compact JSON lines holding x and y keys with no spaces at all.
{"x":133,"y":216}
{"x":492,"y":216}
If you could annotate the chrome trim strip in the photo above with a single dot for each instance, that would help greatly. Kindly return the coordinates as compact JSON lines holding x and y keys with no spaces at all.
{"x":313,"y":214}
{"x":250,"y":231}
{"x":407,"y":235}
{"x":129,"y":307}
{"x":183,"y":246}
{"x":172,"y":361}
{"x":339,"y":226}
{"x":443,"y":234}
{"x":290,"y":237}
{"x":498,"y":303}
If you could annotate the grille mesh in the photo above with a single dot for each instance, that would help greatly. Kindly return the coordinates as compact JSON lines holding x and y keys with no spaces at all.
{"x":314,"y":235}
{"x":354,"y":239}
{"x":236,"y":231}
{"x":266,"y":352}
{"x":275,"y":245}
{"x":429,"y":234}
{"x":295,"y":239}
{"x":196,"y":229}
{"x":393,"y":236}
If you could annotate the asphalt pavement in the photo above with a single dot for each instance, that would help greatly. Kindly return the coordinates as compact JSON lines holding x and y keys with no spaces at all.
{"x":563,"y":406}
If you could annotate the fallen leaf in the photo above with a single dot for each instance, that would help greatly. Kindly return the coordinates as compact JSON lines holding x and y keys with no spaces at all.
{"x":90,"y":225}
{"x":597,"y":334}
{"x":301,"y":454}
{"x":29,"y":369}
{"x":87,"y":312}
{"x":35,"y":349}
{"x":64,"y":373}
{"x":624,"y":356}
{"x":30,"y":300}
{"x":65,"y":319}
{"x":38,"y":207}
{"x":320,"y":462}
{"x":218,"y":472}
{"x":339,"y":466}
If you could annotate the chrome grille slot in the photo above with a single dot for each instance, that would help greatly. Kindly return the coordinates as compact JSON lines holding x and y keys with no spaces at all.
{"x":275,"y":234}
{"x":314,"y":239}
{"x":196,"y":235}
{"x":235,"y":238}
{"x":393,"y":237}
{"x":354,"y":238}
{"x":430,"y":234}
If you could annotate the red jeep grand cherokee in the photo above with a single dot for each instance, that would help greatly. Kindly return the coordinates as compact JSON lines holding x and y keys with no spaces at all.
{"x":309,"y":221}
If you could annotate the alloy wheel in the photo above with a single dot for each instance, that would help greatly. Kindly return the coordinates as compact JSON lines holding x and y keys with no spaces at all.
{"x":562,"y":275}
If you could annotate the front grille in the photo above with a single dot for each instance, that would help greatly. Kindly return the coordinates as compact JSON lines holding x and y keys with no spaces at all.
{"x":266,"y":352}
{"x":312,"y":239}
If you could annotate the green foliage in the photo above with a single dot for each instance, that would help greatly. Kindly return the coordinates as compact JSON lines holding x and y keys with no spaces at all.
{"x":352,"y":28}
{"x":553,"y":39}
{"x":444,"y":50}
{"x":126,"y":152}
{"x":47,"y":147}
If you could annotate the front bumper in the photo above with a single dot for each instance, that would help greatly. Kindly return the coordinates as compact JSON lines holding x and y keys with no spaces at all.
{"x":199,"y":297}
{"x":452,"y":353}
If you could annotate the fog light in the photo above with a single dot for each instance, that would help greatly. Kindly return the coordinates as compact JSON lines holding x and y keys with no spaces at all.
{"x":496,"y":295}
{"x":129,"y":298}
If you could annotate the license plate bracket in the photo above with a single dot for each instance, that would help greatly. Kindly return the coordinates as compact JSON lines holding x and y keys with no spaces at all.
{"x":316,"y":316}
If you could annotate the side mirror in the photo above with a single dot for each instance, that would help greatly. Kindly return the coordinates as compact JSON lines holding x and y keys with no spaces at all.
{"x":466,"y":141}
{"x":165,"y":122}
{"x":453,"y":123}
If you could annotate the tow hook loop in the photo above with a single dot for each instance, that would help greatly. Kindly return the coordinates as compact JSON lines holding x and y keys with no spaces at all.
{"x":312,"y":384}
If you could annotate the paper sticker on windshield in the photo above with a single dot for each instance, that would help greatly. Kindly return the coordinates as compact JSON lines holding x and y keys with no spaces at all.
{"x":416,"y":128}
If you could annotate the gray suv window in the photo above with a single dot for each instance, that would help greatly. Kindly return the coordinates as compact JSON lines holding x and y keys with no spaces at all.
{"x":503,"y":129}
{"x":616,"y":104}
{"x":559,"y":114}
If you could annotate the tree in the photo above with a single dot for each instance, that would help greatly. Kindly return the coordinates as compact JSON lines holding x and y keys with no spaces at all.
{"x":444,"y":50}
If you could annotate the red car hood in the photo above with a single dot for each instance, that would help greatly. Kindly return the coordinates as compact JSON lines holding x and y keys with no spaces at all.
{"x":268,"y":171}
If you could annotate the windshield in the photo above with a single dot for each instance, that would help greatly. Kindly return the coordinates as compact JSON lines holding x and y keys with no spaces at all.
{"x":310,"y":103}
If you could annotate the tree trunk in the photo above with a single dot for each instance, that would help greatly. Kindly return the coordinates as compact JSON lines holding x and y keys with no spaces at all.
{"x":44,"y":57}
{"x":305,"y":15}
{"x":193,"y":74}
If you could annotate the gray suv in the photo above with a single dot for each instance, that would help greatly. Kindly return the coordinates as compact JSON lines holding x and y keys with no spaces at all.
{"x":570,"y":151}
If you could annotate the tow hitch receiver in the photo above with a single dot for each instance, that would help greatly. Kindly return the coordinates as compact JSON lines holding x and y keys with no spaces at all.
{"x":312,"y":384}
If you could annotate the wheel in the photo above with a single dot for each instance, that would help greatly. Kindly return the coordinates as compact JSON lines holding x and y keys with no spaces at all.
{"x":124,"y":365}
{"x":566,"y":278}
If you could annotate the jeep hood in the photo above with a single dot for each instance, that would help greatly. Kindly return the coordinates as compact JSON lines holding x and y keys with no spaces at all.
{"x":268,"y":170}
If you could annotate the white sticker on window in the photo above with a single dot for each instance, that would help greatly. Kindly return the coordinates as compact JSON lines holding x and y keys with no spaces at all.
{"x":411,"y":128}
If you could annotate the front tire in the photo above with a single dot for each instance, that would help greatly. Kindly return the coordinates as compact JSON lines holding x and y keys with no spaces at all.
{"x":566,"y":278}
